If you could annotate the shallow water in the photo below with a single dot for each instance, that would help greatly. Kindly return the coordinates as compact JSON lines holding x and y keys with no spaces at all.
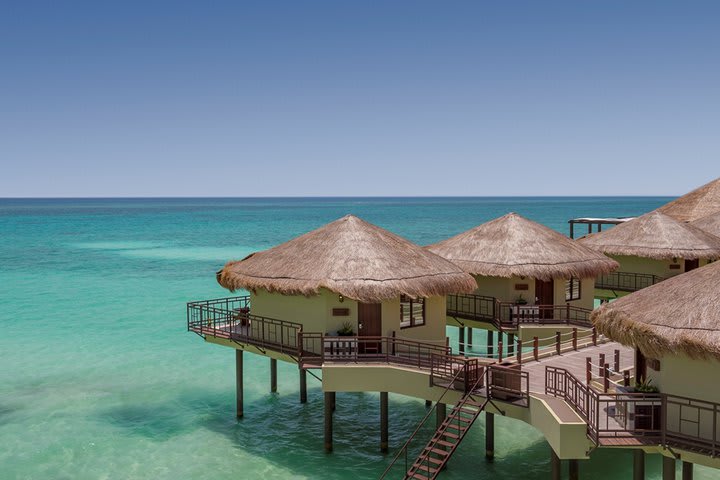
{"x":100,"y":378}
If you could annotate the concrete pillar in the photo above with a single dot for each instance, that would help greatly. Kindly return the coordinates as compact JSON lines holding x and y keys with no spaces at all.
{"x":428,"y":403}
{"x":638,"y":464}
{"x":461,"y":339}
{"x":573,"y":470}
{"x":554,"y":465}
{"x":490,"y":341}
{"x":328,"y":421}
{"x":384,"y":422}
{"x":469,"y":337}
{"x":687,"y":471}
{"x":668,"y":468}
{"x":440,"y":414}
{"x":273,"y":375}
{"x":489,"y":436}
{"x":239,"y":381}
{"x":303,"y":385}
{"x":510,"y":344}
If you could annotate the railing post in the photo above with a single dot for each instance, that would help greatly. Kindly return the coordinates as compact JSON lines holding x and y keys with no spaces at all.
{"x":594,"y":336}
{"x":601,"y":364}
{"x":500,"y":351}
{"x":616,"y":365}
{"x":606,"y":380}
{"x":519,"y":351}
{"x":567,"y":313}
{"x":557,"y":342}
{"x":574,"y":338}
{"x":626,"y":378}
{"x":588,"y":370}
{"x":536,"y":347}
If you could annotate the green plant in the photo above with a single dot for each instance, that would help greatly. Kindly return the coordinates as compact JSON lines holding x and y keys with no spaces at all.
{"x":346,"y":330}
{"x":646,"y":386}
{"x":520,"y":300}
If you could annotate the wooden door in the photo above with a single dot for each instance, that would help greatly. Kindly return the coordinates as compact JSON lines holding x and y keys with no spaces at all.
{"x":544,"y":292}
{"x":691,"y":264}
{"x":369,"y":325}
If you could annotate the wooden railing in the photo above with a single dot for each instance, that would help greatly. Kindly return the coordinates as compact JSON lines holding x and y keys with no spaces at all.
{"x":665,"y":419}
{"x":507,"y":315}
{"x":626,"y":281}
{"x":230,"y":318}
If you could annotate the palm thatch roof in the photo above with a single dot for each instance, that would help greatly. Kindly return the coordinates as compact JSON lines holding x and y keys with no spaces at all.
{"x":699,"y":203}
{"x":351,"y":257}
{"x":515,"y":246}
{"x":710,"y":224}
{"x":678,"y":315}
{"x":655,"y":235}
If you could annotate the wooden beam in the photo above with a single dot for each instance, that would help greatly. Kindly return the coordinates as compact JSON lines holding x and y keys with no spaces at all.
{"x":239,"y":381}
{"x":329,"y":421}
{"x":554,"y":465}
{"x":638,"y":464}
{"x":489,"y":436}
{"x":440,"y":414}
{"x":461,"y":340}
{"x":469,"y":337}
{"x":303,"y":385}
{"x":490,"y":341}
{"x":687,"y":471}
{"x":273,"y":375}
{"x":573,"y":469}
{"x":384,"y":422}
{"x":668,"y":468}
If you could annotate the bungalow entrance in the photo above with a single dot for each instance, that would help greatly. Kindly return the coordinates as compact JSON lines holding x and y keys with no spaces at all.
{"x":369,"y":325}
{"x":544,"y":296}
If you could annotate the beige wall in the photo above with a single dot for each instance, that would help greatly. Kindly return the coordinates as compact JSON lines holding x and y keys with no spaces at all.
{"x":315,"y":314}
{"x":504,"y":290}
{"x":650,"y":266}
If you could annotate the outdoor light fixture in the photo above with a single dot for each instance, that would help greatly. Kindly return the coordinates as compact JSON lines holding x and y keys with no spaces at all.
{"x":341,"y":298}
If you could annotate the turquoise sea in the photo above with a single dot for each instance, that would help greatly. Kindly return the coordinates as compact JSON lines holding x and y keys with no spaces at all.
{"x":99,"y":378}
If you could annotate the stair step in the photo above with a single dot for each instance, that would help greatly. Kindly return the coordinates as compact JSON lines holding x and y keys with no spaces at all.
{"x":419,"y":476}
{"x":468,"y":411}
{"x":424,"y":467}
{"x":450,"y":435}
{"x":436,"y":461}
{"x":443,"y":443}
{"x":437,"y":451}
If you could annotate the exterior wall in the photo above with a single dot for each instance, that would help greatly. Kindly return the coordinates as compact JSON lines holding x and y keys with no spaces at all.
{"x":683,"y":376}
{"x":504,"y":290}
{"x":315,"y":314}
{"x":661,"y":268}
{"x":587,"y":293}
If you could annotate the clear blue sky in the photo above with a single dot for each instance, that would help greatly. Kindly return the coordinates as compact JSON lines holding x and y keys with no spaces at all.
{"x":358,"y":98}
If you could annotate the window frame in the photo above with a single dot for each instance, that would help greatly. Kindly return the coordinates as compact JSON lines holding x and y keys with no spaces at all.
{"x":410,"y":303}
{"x":569,"y":289}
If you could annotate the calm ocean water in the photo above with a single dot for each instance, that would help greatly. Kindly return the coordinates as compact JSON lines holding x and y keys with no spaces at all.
{"x":100,"y":379}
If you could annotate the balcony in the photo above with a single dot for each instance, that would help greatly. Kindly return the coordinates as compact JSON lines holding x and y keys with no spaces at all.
{"x":626,"y":281}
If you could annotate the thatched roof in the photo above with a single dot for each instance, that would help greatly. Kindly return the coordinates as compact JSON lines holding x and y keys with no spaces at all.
{"x":699,"y":203}
{"x":513,"y":245}
{"x":678,"y":315}
{"x":351,"y":257}
{"x":710,"y":224}
{"x":657,"y":236}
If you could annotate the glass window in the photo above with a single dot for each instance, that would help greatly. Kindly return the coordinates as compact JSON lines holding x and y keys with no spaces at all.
{"x":412,"y":312}
{"x":572,"y":289}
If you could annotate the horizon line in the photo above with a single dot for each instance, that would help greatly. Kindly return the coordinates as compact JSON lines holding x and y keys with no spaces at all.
{"x":258,"y":197}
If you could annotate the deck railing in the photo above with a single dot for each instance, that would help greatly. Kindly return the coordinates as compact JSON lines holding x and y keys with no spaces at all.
{"x":506,"y":315}
{"x":665,"y":419}
{"x":626,"y":281}
{"x":230,"y":318}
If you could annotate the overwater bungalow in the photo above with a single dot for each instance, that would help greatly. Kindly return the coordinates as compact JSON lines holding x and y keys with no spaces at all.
{"x":699,"y":203}
{"x":527,"y":275}
{"x":650,"y":249}
{"x":674,"y":328}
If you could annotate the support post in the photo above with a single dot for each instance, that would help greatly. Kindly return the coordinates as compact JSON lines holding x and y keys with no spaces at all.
{"x":461,"y":340}
{"x":638,"y":464}
{"x":573,"y":469}
{"x":536,"y":347}
{"x":606,"y":379}
{"x":239,"y":381}
{"x":428,"y":403}
{"x":384,"y":422}
{"x":626,"y":378}
{"x":273,"y":375}
{"x":328,"y":422}
{"x":469,"y":337}
{"x":594,"y":336}
{"x":500,"y":351}
{"x":303,"y":385}
{"x":601,"y":364}
{"x":668,"y":468}
{"x":490,"y":341}
{"x":574,"y":338}
{"x":554,"y":465}
{"x":519,"y":351}
{"x":687,"y":471}
{"x":511,"y":344}
{"x":440,"y":414}
{"x":588,"y":370}
{"x":616,"y":363}
{"x":489,"y":436}
{"x":558,"y":339}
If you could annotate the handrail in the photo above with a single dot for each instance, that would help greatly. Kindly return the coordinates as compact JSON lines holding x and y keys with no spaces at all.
{"x":420,"y":425}
{"x":627,"y":281}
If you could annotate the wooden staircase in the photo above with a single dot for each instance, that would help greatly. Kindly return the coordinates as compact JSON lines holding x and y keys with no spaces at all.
{"x":446,"y":439}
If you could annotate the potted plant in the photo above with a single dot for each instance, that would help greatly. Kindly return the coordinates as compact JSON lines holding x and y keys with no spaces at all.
{"x":647,"y":415}
{"x":346,"y":330}
{"x":520,"y":300}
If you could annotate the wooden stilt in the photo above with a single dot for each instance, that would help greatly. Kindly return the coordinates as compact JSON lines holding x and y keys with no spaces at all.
{"x":328,"y":422}
{"x":469,"y":337}
{"x":668,"y":468}
{"x":510,"y":344}
{"x":638,"y":465}
{"x":384,"y":422}
{"x":428,"y":403}
{"x":554,"y":465}
{"x":273,"y":375}
{"x":461,"y":340}
{"x":303,"y":385}
{"x":489,"y":436}
{"x":334,"y":400}
{"x":573,"y":470}
{"x":490,"y":341}
{"x":687,"y":471}
{"x":239,"y":381}
{"x":440,"y":414}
